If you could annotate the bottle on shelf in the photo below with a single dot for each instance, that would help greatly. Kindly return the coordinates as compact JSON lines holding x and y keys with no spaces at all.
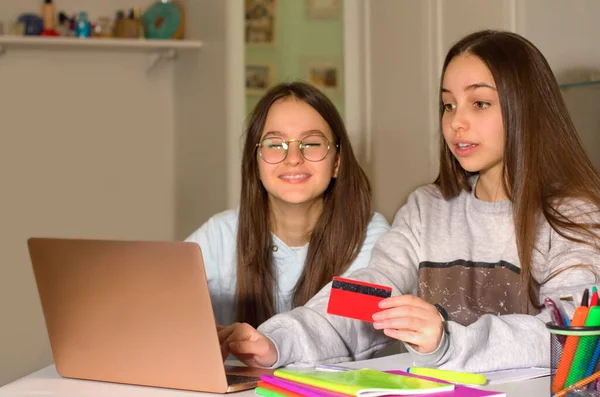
{"x":49,"y":19}
{"x":133,"y":27}
{"x":118,"y":26}
{"x":139,"y":23}
{"x":83,"y":28}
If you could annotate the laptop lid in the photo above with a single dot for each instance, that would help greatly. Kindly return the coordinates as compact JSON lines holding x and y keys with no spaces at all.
{"x":130,"y":312}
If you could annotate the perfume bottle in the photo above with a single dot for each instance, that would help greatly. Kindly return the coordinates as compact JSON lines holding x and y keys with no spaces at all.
{"x":83,"y":28}
{"x":118,"y":27}
{"x":139,"y":23}
{"x":133,"y":25}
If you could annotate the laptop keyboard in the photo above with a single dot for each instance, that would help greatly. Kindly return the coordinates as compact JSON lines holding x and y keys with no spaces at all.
{"x":237,"y":379}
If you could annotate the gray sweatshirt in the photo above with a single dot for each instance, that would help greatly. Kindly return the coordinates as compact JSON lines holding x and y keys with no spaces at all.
{"x":461,"y":254}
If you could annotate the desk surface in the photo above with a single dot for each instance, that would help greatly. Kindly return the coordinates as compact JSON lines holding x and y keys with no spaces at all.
{"x":46,"y":382}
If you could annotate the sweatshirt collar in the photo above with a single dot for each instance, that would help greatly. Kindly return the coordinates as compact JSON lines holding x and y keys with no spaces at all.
{"x":496,"y":207}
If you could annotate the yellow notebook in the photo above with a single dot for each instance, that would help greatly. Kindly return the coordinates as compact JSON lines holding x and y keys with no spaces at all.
{"x":364,"y":382}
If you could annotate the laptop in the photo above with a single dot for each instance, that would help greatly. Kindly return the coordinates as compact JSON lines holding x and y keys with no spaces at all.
{"x":132,"y":312}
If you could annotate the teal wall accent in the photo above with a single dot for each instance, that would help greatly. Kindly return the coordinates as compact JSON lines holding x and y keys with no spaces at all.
{"x":299,"y":39}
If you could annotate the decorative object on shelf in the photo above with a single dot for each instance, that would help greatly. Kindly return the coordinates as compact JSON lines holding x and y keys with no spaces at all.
{"x":140,"y":29}
{"x":83,"y":28}
{"x":103,"y":28}
{"x":323,"y":9}
{"x":16,"y":29}
{"x":133,"y":26}
{"x":164,"y":20}
{"x":118,"y":25}
{"x":65,"y":25}
{"x":259,"y":78}
{"x":260,"y":21}
{"x":325,"y":74}
{"x":33,"y":24}
{"x":49,"y":19}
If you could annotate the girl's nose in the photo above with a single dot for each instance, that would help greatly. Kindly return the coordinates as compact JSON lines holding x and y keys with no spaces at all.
{"x":294,"y":155}
{"x":460,"y":120}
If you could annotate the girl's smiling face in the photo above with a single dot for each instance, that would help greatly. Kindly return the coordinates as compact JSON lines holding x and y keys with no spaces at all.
{"x":296,"y":180}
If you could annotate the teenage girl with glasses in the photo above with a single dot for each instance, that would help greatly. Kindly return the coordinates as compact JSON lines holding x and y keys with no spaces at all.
{"x":305,"y":211}
{"x":512,"y":218}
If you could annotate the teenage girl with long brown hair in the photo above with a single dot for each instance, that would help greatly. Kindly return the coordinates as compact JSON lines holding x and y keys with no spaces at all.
{"x":305,"y":210}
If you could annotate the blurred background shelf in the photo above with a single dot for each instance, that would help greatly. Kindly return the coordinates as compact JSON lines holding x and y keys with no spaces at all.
{"x":579,"y":84}
{"x":147,"y":45}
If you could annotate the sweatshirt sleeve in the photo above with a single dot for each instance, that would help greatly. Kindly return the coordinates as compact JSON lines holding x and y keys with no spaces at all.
{"x":308,"y":335}
{"x":520,"y":340}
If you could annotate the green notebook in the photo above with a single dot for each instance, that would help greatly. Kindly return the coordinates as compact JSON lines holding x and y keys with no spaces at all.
{"x":364,"y":382}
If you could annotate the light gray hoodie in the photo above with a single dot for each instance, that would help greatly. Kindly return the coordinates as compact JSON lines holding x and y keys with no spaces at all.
{"x":461,"y":254}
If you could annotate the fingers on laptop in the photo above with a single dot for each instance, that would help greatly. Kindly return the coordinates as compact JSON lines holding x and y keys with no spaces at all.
{"x":227,"y":334}
{"x":255,"y":353}
{"x":247,"y":344}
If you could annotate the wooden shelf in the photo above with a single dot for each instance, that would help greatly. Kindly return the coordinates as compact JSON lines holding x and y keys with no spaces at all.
{"x":144,"y":45}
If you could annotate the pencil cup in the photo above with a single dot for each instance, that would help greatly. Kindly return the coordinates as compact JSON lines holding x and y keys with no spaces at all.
{"x":575,"y":368}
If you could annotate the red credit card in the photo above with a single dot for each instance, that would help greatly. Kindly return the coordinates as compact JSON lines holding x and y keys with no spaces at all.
{"x":356,"y":299}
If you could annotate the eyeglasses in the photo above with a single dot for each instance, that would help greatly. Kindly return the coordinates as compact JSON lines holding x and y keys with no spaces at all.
{"x":314,"y":148}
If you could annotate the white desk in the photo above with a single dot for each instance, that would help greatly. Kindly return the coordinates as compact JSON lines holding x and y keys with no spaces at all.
{"x":47,"y":382}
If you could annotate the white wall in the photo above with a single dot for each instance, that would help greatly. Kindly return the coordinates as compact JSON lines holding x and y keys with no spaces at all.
{"x":399,"y":130}
{"x":573,"y":53}
{"x":202,"y":156}
{"x":79,"y":157}
{"x":92,"y":146}
{"x":11,"y":9}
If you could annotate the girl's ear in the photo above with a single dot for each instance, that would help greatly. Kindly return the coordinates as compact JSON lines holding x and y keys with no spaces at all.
{"x":336,"y":166}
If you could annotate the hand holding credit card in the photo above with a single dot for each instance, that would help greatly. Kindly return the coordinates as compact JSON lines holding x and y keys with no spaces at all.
{"x":356,"y":299}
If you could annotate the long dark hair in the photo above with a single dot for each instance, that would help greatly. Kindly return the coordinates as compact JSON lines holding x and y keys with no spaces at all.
{"x":544,"y":161}
{"x":338,"y":234}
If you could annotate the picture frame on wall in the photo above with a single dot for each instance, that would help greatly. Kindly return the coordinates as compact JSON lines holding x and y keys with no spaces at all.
{"x":326,"y":74}
{"x":323,"y":9}
{"x":260,"y":22}
{"x":259,"y":77}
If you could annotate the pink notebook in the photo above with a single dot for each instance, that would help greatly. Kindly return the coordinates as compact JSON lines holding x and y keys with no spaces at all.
{"x":310,"y":391}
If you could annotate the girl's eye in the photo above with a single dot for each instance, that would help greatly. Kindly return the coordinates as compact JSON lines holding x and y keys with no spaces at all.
{"x":449,"y":107}
{"x":482,"y":105}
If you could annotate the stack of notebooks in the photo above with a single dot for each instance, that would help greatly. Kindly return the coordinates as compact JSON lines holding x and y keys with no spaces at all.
{"x":360,"y":383}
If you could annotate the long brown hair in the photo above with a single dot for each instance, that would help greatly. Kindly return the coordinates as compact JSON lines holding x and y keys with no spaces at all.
{"x":544,"y":161}
{"x":338,"y":234}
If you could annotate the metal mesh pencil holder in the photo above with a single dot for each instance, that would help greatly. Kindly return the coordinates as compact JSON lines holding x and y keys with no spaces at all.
{"x":574,"y":361}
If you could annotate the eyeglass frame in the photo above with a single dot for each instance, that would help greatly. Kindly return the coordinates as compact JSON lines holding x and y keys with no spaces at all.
{"x":287,"y":143}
